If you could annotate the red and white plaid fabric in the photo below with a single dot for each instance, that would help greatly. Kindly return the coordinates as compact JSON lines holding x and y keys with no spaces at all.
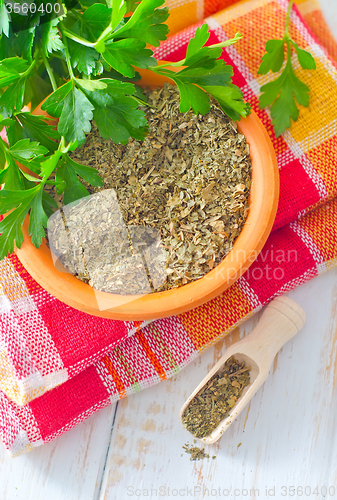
{"x":58,"y":365}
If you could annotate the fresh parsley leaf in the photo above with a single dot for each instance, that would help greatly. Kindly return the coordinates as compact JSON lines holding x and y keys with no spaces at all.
{"x":95,"y":19}
{"x":114,"y":90}
{"x":200,"y":38}
{"x":27,"y":153}
{"x":88,"y":174}
{"x":274,"y":58}
{"x":118,"y":12}
{"x":21,"y":44}
{"x":109,"y":126}
{"x":51,"y":40}
{"x":4,"y":19}
{"x":196,"y":54}
{"x":218,"y":74}
{"x":206,"y":75}
{"x":85,"y":59}
{"x":12,"y":199}
{"x":26,"y":125}
{"x":12,"y":98}
{"x":88,"y":27}
{"x":49,"y":204}
{"x":13,"y":77}
{"x":31,"y":178}
{"x":38,"y":219}
{"x":92,"y":22}
{"x":11,"y":69}
{"x":55,"y":102}
{"x":230,"y":100}
{"x":116,"y":114}
{"x":90,"y":85}
{"x":11,"y":225}
{"x":14,"y":131}
{"x":49,"y":165}
{"x":68,"y":174}
{"x":146,"y":23}
{"x":76,"y":117}
{"x":11,"y":176}
{"x":216,"y":81}
{"x":121,"y":55}
{"x":26,"y":149}
{"x":74,"y":111}
{"x":2,"y":160}
{"x":192,"y":97}
{"x":24,"y":44}
{"x":199,"y":55}
{"x":282,"y":94}
{"x":121,"y":121}
{"x":33,"y":165}
{"x":4,"y":122}
{"x":37,"y":89}
{"x":304,"y":57}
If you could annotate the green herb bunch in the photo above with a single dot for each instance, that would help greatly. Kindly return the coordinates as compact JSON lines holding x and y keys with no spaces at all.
{"x":83,"y":59}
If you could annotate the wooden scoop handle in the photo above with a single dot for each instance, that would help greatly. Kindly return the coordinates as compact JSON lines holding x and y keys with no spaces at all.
{"x":280,"y":321}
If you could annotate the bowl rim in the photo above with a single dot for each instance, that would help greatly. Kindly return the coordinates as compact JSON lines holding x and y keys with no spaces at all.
{"x":262,"y":211}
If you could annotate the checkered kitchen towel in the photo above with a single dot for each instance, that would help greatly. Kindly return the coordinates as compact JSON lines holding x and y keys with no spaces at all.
{"x":58,"y":365}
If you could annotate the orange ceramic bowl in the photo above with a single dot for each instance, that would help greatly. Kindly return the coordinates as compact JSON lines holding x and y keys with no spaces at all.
{"x":262,"y":210}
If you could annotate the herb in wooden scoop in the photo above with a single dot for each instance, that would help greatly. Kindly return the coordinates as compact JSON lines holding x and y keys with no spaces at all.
{"x":216,"y":399}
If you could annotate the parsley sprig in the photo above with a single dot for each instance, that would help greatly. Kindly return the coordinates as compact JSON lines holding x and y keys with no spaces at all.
{"x":84,"y":64}
{"x":24,"y":192}
{"x":283,"y":93}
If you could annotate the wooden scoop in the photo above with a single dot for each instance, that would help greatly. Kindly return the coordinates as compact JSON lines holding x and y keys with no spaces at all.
{"x":281,"y":320}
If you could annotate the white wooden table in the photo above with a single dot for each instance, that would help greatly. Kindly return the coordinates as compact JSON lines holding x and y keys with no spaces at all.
{"x":282,"y":446}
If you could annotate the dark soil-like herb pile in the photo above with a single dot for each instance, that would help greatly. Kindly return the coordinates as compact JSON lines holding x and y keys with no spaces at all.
{"x":190,"y":179}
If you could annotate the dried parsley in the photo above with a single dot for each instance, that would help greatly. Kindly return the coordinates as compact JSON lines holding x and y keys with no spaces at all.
{"x":196,"y":453}
{"x":189,"y":179}
{"x":215,"y":400}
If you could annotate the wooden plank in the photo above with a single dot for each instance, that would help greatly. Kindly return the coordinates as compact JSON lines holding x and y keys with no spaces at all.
{"x":285,"y":437}
{"x":69,"y":468}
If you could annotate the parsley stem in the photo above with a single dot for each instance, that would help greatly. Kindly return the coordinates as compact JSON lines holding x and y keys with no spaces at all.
{"x":226,"y":43}
{"x":26,"y":73}
{"x":49,"y":71}
{"x":286,"y":37}
{"x":174,"y":64}
{"x":286,"y":31}
{"x":288,"y":52}
{"x":77,"y":38}
{"x":66,"y":49}
{"x":3,"y":145}
{"x":219,"y":45}
{"x":104,"y":35}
